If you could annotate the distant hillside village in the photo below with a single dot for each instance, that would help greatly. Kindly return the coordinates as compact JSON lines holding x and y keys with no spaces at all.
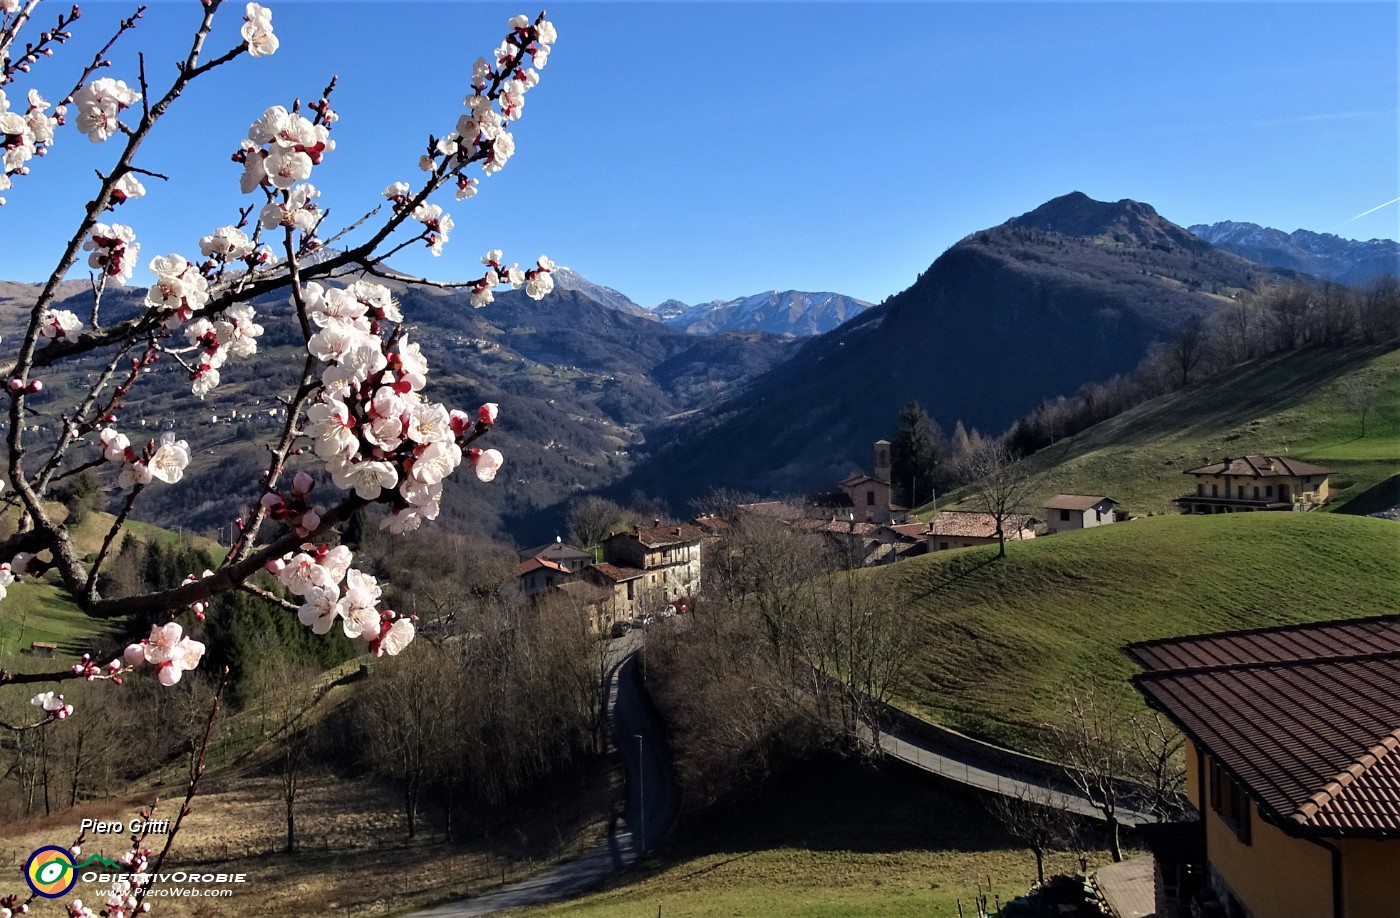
{"x":654,"y":571}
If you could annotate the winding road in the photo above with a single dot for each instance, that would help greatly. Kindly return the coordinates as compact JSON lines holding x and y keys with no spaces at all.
{"x":651,"y":805}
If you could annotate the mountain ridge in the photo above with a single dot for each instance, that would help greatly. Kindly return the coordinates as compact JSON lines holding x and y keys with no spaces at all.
{"x":1323,"y":255}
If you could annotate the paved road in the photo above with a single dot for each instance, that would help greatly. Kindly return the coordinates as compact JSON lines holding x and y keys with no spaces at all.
{"x":988,"y":776}
{"x":651,"y":806}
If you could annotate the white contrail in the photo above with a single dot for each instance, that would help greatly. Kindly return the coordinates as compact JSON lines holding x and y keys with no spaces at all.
{"x":1368,"y":212}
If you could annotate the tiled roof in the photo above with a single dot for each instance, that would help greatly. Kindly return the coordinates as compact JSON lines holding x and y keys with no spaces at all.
{"x":909,"y":530}
{"x":661,"y":536}
{"x":775,"y":508}
{"x":617,"y":573}
{"x":1261,"y":467}
{"x":583,"y":592}
{"x":1306,"y":718}
{"x":557,"y":551}
{"x":1350,"y":637}
{"x":969,"y":524}
{"x":860,"y":478}
{"x":535,"y":564}
{"x":1076,"y":502}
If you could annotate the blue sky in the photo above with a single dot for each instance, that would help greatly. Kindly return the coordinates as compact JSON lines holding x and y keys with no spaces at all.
{"x":702,"y":151}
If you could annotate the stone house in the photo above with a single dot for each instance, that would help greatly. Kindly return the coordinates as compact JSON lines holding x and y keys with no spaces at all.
{"x":1256,"y":483}
{"x":537,"y":575}
{"x":669,"y":556}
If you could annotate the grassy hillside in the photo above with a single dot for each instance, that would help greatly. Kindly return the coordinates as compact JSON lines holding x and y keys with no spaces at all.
{"x":836,"y":840}
{"x":39,"y":610}
{"x":1290,"y":404}
{"x":1002,"y":641}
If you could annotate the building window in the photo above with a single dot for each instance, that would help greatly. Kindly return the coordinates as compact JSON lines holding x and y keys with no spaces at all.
{"x":1229,"y":800}
{"x":1215,"y":490}
{"x":1064,"y":516}
{"x":870,"y":498}
{"x":1200,"y":490}
{"x":629,"y":591}
{"x":1098,"y":516}
{"x":1256,"y":492}
{"x":1268,"y":490}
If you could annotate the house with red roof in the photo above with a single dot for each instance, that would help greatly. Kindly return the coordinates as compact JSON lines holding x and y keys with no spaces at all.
{"x":1293,"y":765}
{"x":1256,"y":483}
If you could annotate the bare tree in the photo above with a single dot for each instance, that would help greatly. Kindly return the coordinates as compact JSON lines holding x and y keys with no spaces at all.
{"x":1095,"y":745}
{"x":1158,"y":750}
{"x":998,"y":485}
{"x":1360,"y":397}
{"x":1188,"y":348}
{"x":285,"y":693}
{"x":1037,"y":818}
{"x":592,"y":519}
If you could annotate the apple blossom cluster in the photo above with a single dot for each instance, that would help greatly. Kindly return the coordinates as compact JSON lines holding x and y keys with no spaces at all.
{"x":234,"y":334}
{"x":114,"y":249}
{"x":179,"y":290}
{"x":332,"y":590}
{"x":229,"y":244}
{"x":371,"y":424}
{"x":164,"y":461}
{"x":100,"y":104}
{"x":52,"y":704}
{"x":166,"y":651}
{"x":281,"y":149}
{"x":295,"y":508}
{"x":11,"y":905}
{"x":90,"y":671}
{"x":257,"y":31}
{"x":24,"y":135}
{"x":59,"y":323}
{"x":481,"y":132}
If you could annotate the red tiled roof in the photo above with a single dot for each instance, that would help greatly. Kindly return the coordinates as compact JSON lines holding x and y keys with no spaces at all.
{"x":583,"y":592}
{"x":909,"y":530}
{"x":1261,"y":467}
{"x":1306,"y":718}
{"x":535,"y":564}
{"x":1349,"y":637}
{"x":969,"y":524}
{"x":616,"y":573}
{"x":1076,"y":502}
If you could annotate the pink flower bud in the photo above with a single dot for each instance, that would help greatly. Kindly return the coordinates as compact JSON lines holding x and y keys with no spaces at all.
{"x":303,"y":483}
{"x":310,"y":520}
{"x":271,"y":500}
{"x":36,"y":385}
{"x":16,"y":384}
{"x":275,"y":566}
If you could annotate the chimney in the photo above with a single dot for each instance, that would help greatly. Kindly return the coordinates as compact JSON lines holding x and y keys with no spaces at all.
{"x":656,"y":521}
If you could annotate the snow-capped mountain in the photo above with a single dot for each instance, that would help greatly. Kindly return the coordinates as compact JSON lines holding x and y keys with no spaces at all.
{"x":569,"y":279}
{"x":780,"y":312}
{"x":1319,"y":254}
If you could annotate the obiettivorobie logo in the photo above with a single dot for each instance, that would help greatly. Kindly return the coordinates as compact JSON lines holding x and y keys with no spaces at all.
{"x":52,"y":873}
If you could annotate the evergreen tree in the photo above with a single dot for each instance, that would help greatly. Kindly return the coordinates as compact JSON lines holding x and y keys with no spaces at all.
{"x":914,"y":456}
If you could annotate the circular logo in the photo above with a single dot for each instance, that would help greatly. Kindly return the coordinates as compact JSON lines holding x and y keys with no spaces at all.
{"x":49,"y":872}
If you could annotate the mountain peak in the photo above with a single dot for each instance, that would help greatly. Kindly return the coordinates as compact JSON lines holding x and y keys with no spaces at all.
{"x":1126,"y":222}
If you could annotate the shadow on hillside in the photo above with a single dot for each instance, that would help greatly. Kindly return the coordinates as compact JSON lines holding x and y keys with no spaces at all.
{"x":1375,"y":499}
{"x":1270,"y":384}
{"x":933,"y":578}
{"x":835,"y":804}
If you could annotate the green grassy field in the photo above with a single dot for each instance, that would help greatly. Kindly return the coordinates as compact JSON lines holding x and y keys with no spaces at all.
{"x":1285,"y":405}
{"x":39,"y":610}
{"x":832,"y":840}
{"x":1002,"y":641}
